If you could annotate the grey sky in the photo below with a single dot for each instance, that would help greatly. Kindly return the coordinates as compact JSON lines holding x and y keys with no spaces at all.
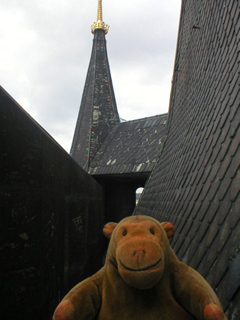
{"x":45,"y":48}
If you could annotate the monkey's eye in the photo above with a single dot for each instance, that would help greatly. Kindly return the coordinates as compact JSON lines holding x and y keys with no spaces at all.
{"x":152,"y":231}
{"x":124,"y":233}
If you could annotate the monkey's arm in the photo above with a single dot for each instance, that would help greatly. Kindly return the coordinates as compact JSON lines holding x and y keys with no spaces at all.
{"x":83,"y":301}
{"x":196,"y":295}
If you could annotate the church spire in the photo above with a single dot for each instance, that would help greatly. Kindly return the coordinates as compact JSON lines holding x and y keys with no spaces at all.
{"x":98,"y":112}
{"x":99,"y":24}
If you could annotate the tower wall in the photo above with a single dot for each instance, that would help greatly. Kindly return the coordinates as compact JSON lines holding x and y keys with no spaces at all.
{"x":51,"y":218}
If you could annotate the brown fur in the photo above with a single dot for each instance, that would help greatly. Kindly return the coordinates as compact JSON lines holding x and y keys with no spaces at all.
{"x":142,"y":279}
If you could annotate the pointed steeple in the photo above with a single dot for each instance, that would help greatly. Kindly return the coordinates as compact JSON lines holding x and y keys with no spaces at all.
{"x":98,"y":109}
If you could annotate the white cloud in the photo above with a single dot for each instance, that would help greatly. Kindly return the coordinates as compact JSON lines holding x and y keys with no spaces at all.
{"x":45,"y":48}
{"x":14,"y":35}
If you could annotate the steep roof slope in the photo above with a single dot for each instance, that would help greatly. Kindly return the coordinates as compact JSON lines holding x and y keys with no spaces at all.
{"x":131,"y":147}
{"x":98,"y":110}
{"x":196,"y":182}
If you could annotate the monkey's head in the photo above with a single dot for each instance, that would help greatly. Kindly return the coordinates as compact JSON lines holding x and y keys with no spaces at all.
{"x":138,"y":246}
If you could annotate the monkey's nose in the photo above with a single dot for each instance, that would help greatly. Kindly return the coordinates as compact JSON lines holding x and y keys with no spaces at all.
{"x":139,"y":252}
{"x":139,"y":255}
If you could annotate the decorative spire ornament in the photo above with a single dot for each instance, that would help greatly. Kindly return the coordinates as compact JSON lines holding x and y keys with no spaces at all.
{"x":99,"y":24}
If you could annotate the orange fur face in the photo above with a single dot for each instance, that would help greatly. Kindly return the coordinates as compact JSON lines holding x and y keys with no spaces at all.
{"x":140,"y":244}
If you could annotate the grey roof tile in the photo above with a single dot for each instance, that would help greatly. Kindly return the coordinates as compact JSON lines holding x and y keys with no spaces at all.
{"x":131,"y":146}
{"x":233,"y":281}
{"x":195,"y":183}
{"x":98,"y":111}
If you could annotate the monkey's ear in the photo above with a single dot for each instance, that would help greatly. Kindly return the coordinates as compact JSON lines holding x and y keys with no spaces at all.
{"x":169,"y":229}
{"x":108,"y":229}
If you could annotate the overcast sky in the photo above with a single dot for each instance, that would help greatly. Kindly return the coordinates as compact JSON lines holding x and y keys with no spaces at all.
{"x":45,"y":48}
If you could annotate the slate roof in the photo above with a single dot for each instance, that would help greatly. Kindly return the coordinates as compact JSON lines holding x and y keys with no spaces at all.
{"x":131,"y":147}
{"x":196,"y":181}
{"x":101,"y":144}
{"x":98,"y":110}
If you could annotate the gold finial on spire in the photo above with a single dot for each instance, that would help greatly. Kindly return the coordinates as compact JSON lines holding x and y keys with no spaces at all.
{"x":99,"y":24}
{"x":99,"y":13}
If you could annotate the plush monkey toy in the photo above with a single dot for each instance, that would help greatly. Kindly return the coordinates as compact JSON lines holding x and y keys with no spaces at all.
{"x":142,"y":279}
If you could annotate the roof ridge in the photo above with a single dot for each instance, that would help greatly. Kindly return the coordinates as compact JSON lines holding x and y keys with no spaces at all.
{"x":145,"y":119}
